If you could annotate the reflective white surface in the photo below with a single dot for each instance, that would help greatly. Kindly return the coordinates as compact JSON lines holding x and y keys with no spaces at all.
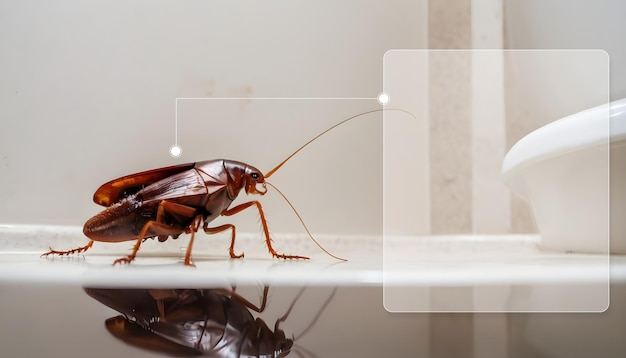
{"x":404,"y":265}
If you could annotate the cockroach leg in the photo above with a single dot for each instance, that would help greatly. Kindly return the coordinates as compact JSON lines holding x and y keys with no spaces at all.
{"x":156,"y":227}
{"x":245,"y":301}
{"x":128,"y":259}
{"x":266,"y":231}
{"x":69,"y":252}
{"x":178,"y":211}
{"x":250,"y":305}
{"x":195,"y":225}
{"x":215,"y":230}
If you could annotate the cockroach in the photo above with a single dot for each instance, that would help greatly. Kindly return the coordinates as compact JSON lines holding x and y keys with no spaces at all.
{"x":167,"y":202}
{"x":193,"y":322}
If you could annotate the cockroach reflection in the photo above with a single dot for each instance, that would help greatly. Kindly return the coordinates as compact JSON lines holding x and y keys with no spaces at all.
{"x":195,"y":322}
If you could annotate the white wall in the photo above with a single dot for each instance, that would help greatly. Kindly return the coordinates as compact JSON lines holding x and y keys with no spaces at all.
{"x":87,"y":94}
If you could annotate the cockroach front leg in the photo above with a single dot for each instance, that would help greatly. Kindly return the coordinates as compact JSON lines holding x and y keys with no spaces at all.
{"x":215,"y":230}
{"x":266,"y":231}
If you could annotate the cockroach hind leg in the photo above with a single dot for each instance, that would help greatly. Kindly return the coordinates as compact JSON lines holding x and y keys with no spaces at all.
{"x":190,"y":264}
{"x":68,"y":252}
{"x":124,"y":260}
{"x":128,"y":259}
{"x":195,"y":225}
{"x":188,"y":261}
{"x":159,"y":229}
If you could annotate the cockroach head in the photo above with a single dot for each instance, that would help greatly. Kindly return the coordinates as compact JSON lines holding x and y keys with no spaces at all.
{"x":254,"y":180}
{"x":282,"y":345}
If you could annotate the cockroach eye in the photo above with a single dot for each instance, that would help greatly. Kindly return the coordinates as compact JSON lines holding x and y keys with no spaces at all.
{"x":254,"y":176}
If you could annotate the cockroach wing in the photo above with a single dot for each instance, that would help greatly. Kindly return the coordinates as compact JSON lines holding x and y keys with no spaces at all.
{"x":117,"y":189}
{"x":135,"y":335}
{"x":205,"y":336}
{"x":206,"y":321}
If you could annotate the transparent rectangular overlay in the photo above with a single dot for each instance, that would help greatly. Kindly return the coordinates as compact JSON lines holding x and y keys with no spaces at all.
{"x":455,"y":238}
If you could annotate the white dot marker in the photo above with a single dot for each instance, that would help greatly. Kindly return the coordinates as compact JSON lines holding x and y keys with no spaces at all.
{"x":176,"y":151}
{"x":383,"y":98}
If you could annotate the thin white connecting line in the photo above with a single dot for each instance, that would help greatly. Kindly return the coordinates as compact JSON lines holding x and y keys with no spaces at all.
{"x":252,"y":98}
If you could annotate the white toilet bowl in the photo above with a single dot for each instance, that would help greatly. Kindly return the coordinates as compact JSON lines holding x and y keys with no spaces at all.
{"x":562,"y":170}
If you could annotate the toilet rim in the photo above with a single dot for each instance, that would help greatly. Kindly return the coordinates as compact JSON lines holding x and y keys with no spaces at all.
{"x":579,"y":131}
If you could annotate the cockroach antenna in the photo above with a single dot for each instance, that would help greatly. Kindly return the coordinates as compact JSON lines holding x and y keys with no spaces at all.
{"x":305,"y":145}
{"x":269,"y":173}
{"x":303,"y":224}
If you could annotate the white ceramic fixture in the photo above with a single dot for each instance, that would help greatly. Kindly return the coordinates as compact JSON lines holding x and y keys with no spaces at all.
{"x":562,"y":170}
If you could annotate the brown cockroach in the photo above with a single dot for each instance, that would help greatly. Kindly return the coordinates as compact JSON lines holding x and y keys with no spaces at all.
{"x":192,"y":322}
{"x":169,"y":201}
